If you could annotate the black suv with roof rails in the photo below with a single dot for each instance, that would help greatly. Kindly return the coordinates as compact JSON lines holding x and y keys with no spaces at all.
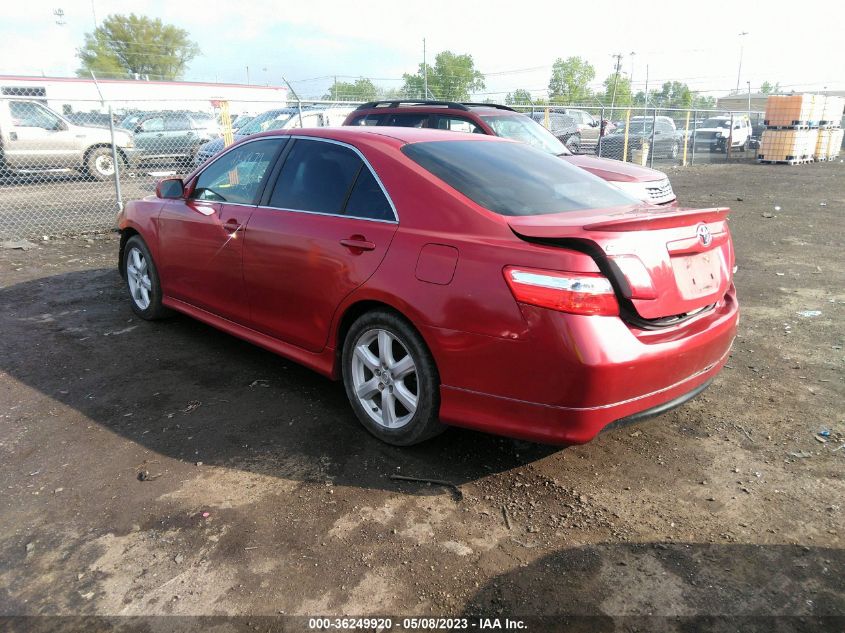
{"x":649,"y":185}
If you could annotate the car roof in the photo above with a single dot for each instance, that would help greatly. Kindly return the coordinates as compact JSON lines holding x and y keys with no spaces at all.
{"x":395,"y":135}
{"x":431,"y":107}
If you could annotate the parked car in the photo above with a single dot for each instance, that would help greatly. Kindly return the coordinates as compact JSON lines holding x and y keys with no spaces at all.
{"x":588,"y":127}
{"x":171,"y":135}
{"x":650,"y":186}
{"x":563,"y":126}
{"x":33,"y":137}
{"x":446,"y":279}
{"x":666,"y":139}
{"x":281,"y":119}
{"x":714,"y":133}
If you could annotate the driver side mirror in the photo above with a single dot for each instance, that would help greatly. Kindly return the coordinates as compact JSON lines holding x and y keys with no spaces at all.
{"x":170,"y":188}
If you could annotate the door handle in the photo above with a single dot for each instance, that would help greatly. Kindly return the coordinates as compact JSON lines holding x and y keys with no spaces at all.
{"x":358,"y":243}
{"x":232,"y":225}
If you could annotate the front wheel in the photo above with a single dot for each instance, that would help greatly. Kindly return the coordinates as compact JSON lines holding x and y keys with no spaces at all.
{"x":673,"y":153}
{"x":391,"y":380}
{"x":142,"y":280}
{"x":100,"y":164}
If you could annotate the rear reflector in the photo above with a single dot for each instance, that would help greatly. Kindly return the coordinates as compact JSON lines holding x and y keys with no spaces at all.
{"x":576,"y":293}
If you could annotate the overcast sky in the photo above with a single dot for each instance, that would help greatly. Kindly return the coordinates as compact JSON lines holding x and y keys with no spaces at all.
{"x":514,"y":43}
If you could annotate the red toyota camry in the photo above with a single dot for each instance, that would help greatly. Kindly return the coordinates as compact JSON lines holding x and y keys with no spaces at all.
{"x":446,"y":278}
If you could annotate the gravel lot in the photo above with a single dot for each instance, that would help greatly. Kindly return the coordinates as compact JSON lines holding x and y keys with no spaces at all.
{"x":265,"y":497}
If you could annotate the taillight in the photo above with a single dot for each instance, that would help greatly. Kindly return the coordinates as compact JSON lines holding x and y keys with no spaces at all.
{"x":576,"y":293}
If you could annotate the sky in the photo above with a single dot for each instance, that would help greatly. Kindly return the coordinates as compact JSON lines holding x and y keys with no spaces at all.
{"x":514,"y":44}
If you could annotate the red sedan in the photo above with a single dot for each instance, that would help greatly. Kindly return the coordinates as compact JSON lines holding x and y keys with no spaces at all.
{"x":446,"y":278}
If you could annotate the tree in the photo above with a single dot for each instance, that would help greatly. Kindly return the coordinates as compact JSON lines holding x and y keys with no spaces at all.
{"x":135,"y":44}
{"x":362,"y":90}
{"x":452,"y":78}
{"x":570,"y":80}
{"x":623,"y":91}
{"x":768,"y":89}
{"x":519,"y":96}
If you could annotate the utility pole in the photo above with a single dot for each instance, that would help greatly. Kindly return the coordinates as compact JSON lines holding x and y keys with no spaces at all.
{"x":749,"y":100}
{"x":632,"y":53}
{"x":741,"y":49}
{"x":94,"y":14}
{"x":335,"y":88}
{"x":425,"y":74}
{"x":247,"y":75}
{"x":618,"y":57}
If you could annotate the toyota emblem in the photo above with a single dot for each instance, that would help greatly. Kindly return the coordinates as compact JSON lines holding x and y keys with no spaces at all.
{"x":704,"y":236}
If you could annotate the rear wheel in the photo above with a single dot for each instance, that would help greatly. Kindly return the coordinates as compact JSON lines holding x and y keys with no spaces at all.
{"x":573,"y":144}
{"x":391,"y":379}
{"x":745,"y":145}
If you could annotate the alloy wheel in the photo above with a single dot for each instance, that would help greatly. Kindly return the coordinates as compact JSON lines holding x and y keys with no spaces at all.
{"x":138,"y":278}
{"x":384,"y":378}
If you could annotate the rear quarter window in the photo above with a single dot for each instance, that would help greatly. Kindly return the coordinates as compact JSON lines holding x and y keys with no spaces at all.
{"x":514,"y":179}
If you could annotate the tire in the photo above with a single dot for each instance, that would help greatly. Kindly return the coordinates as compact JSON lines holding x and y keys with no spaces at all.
{"x":673,"y":153}
{"x":745,"y":145}
{"x":573,"y":144}
{"x":100,"y":165}
{"x":142,"y":282}
{"x":386,"y":335}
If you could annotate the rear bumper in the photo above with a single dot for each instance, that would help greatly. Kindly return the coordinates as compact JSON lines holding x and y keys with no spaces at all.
{"x":590,"y":372}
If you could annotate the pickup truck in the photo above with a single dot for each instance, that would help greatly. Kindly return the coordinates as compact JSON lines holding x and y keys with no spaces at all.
{"x":33,"y":137}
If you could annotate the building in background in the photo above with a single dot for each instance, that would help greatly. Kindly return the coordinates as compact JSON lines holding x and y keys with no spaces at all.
{"x":69,"y":95}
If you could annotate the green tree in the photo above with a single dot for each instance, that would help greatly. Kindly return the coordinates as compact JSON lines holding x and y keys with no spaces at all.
{"x":767,"y":88}
{"x":623,"y":95}
{"x":135,"y":44}
{"x":361,"y":90}
{"x":570,"y":80}
{"x":519,"y":97}
{"x":452,"y":78}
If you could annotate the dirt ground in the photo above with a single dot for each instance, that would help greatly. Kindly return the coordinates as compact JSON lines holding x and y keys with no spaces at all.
{"x":265,"y":497}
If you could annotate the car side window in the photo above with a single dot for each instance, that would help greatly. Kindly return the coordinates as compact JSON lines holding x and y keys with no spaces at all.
{"x":316,"y":177}
{"x":368,"y":119}
{"x":30,"y":115}
{"x":237,"y":175}
{"x":155,"y":124}
{"x":308,"y":120}
{"x":456,"y":124}
{"x":367,"y":200}
{"x":176,"y":122}
{"x":408,"y":120}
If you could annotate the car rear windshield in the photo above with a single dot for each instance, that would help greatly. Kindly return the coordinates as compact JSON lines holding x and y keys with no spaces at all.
{"x":513,"y":178}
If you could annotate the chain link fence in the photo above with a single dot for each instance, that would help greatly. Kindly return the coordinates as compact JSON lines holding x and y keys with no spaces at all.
{"x":71,"y":171}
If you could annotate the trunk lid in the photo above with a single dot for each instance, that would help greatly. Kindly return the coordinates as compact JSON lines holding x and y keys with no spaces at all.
{"x":664,"y":263}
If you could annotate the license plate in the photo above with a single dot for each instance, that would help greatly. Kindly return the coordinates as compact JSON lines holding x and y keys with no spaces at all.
{"x":696,"y":275}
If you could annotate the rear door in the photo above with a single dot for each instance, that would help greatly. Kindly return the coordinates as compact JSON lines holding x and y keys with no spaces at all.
{"x":321,"y":231}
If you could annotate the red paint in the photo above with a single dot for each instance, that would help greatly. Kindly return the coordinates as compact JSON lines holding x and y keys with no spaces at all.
{"x":506,"y":366}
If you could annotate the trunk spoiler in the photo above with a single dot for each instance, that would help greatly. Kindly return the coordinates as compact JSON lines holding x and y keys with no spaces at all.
{"x":653,"y":221}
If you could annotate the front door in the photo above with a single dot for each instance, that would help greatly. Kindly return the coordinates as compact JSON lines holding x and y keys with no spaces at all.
{"x":202,"y":236}
{"x":320,"y":233}
{"x":38,"y":139}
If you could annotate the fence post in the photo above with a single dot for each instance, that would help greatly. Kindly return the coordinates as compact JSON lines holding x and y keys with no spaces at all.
{"x":686,"y":140}
{"x":116,"y":162}
{"x":625,"y":139}
{"x":601,"y":129}
{"x":694,"y":128}
{"x":730,"y":140}
{"x":651,"y":149}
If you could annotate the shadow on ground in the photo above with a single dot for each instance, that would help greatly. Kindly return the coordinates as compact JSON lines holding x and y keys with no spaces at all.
{"x":188,"y":391}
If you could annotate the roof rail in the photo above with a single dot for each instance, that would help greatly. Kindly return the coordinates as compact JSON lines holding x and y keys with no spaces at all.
{"x":498,"y":106}
{"x":395,"y":103}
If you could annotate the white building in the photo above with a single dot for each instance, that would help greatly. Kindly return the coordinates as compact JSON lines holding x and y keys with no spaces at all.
{"x":75,"y":94}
